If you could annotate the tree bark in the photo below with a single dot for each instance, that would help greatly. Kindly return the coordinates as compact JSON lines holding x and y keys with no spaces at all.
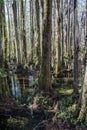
{"x":83,"y":111}
{"x":31,"y":31}
{"x":24,"y":49}
{"x":57,"y":38}
{"x":1,"y":49}
{"x":76,"y":46}
{"x":37,"y":33}
{"x":46,"y":46}
{"x":16,"y":29}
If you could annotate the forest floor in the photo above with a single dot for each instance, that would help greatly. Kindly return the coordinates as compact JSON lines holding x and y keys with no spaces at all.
{"x":44,"y":113}
{"x":37,"y":110}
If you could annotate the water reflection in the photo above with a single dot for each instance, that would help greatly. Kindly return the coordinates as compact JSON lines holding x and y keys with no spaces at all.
{"x":13,"y":86}
{"x":16,"y":91}
{"x":21,"y":88}
{"x":19,"y":84}
{"x":31,"y":81}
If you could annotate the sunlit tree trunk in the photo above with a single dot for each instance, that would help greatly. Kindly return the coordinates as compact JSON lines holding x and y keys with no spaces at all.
{"x":9,"y":30}
{"x":46,"y":46}
{"x":16,"y":29}
{"x":4,"y":32}
{"x":57,"y":37}
{"x":62,"y":26}
{"x":83,"y":111}
{"x":41,"y":3}
{"x":37,"y":33}
{"x":58,"y":49}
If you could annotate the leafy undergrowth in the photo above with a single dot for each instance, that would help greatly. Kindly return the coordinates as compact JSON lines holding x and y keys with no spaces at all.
{"x":37,"y":110}
{"x":65,"y":91}
{"x":42,"y":112}
{"x":64,"y":116}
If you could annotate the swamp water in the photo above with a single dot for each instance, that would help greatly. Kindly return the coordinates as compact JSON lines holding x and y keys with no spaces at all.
{"x":20,"y":84}
{"x":20,"y":88}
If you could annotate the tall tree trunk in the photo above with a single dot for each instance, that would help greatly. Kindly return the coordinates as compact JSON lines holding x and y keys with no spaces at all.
{"x":62,"y":33}
{"x":46,"y":46}
{"x":83,"y":111}
{"x":16,"y":29}
{"x":1,"y":49}
{"x":57,"y":37}
{"x":4,"y":32}
{"x":9,"y":30}
{"x":23,"y":32}
{"x":31,"y":30}
{"x":76,"y":46}
{"x":37,"y":32}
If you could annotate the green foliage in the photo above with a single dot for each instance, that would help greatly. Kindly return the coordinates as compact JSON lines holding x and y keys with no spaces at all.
{"x":61,"y":114}
{"x":72,"y":119}
{"x":83,"y":48}
{"x":1,"y":1}
{"x":36,"y":81}
{"x":85,"y":123}
{"x":65,"y":91}
{"x":67,"y":115}
{"x":85,"y":56}
{"x":2,"y":73}
{"x":46,"y":113}
{"x":67,"y":101}
{"x":82,"y":120}
{"x":13,"y":123}
{"x":66,"y":55}
{"x":41,"y":100}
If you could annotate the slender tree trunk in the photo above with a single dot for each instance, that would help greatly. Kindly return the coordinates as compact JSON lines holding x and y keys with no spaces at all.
{"x":62,"y":26}
{"x":57,"y":37}
{"x":4,"y":32}
{"x":9,"y":28}
{"x":75,"y":49}
{"x":16,"y":29}
{"x":1,"y":49}
{"x":23,"y":32}
{"x":37,"y":33}
{"x":31,"y":31}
